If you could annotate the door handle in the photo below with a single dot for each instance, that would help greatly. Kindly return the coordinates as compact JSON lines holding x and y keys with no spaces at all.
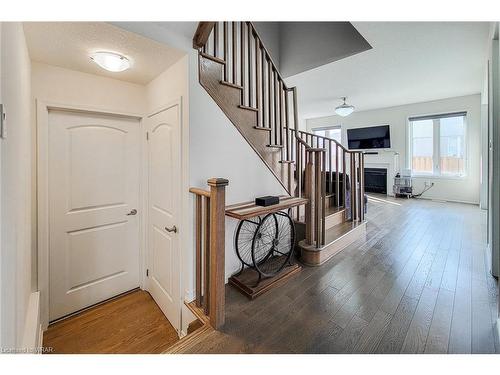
{"x":133,"y":212}
{"x":173,"y":229}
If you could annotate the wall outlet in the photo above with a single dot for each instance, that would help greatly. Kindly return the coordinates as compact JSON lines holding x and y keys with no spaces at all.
{"x":428,"y":184}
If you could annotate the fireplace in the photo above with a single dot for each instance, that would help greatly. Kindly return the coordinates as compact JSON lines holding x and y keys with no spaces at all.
{"x":376,"y":180}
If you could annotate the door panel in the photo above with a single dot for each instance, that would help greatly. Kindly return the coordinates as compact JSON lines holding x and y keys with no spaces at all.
{"x":162,"y":255}
{"x":103,"y":243}
{"x":163,"y":211}
{"x":93,"y":184}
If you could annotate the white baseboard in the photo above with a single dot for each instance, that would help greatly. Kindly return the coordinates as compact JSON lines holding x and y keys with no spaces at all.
{"x":32,"y":326}
{"x":444,"y":200}
{"x":40,"y":337}
{"x":186,"y":318}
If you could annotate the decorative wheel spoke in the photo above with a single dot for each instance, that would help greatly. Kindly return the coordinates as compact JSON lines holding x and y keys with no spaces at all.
{"x":243,"y":241}
{"x":266,"y":244}
{"x":273,"y":243}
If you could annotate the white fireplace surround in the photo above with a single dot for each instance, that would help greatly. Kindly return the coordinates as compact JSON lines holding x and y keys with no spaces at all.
{"x":388,"y":160}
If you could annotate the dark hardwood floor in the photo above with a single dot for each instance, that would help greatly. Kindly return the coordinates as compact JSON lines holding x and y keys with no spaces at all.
{"x":418,"y":283}
{"x":132,"y":323}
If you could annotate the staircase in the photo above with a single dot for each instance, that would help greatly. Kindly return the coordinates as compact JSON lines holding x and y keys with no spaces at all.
{"x":237,"y":71}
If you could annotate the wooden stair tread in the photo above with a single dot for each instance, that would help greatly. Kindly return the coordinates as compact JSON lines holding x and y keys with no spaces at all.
{"x":337,"y":238}
{"x":248,"y":108}
{"x":213,"y":58}
{"x":274,"y":146}
{"x":338,"y":231}
{"x":333,"y":210}
{"x":230,"y":84}
{"x":262,"y":128}
{"x":287,"y":161}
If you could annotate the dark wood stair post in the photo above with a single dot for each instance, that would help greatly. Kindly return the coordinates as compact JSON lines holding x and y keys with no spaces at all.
{"x":217,"y":251}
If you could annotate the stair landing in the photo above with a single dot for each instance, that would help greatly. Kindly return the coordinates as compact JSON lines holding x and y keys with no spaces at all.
{"x":337,"y":238}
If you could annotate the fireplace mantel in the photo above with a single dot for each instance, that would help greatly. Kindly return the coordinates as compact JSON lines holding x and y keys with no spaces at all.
{"x":387,"y":160}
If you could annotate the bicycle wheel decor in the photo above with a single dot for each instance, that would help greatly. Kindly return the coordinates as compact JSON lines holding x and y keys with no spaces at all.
{"x":264,"y":241}
{"x":266,"y":244}
{"x":243,"y":242}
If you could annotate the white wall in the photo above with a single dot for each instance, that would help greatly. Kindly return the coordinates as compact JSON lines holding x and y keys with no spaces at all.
{"x":64,"y":86}
{"x":16,"y":167}
{"x":493,"y":88}
{"x":462,"y":190}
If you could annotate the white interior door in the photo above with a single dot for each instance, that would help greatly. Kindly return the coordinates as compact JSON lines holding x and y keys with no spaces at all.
{"x":94,"y":164}
{"x":163,"y":211}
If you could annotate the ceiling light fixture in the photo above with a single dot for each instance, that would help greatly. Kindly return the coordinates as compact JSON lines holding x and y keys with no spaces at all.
{"x":110,"y":61}
{"x":344,"y":109}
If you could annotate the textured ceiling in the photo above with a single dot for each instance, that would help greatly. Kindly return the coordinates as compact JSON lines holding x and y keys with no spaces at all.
{"x":69,"y":44}
{"x":410,"y":62}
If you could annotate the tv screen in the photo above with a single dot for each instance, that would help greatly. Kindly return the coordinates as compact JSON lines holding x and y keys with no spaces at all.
{"x":367,"y":138}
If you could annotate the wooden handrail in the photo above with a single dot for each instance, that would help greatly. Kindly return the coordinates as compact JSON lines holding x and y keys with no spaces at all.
{"x":202,"y":34}
{"x":201,"y":192}
{"x":326,"y":139}
{"x":210,"y":250}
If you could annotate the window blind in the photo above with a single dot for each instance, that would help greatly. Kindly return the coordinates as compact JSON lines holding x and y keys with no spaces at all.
{"x":434,"y":117}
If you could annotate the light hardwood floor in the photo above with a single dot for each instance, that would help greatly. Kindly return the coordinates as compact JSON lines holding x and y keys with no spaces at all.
{"x":130,"y":324}
{"x":418,"y":283}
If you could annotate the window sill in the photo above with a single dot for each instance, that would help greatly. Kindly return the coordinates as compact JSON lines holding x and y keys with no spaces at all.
{"x":437,"y":177}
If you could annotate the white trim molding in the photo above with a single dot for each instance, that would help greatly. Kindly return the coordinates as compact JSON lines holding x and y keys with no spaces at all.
{"x":31,"y":335}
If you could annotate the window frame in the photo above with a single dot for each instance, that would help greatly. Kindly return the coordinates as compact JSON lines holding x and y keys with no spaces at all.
{"x":328,"y":128}
{"x":436,"y":144}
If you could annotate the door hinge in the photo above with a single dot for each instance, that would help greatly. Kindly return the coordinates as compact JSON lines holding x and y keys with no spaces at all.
{"x":147,"y":136}
{"x":147,"y":273}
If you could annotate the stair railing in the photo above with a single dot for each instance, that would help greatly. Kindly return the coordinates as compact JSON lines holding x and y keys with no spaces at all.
{"x":247,"y":64}
{"x":210,"y":250}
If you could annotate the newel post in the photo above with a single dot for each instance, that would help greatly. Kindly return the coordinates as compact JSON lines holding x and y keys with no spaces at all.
{"x":308,"y":193}
{"x":217,"y":251}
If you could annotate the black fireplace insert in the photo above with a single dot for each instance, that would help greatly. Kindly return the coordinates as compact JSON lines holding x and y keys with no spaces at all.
{"x":376,"y":180}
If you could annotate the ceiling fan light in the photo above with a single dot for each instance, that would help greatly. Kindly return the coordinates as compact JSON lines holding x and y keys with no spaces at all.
{"x":344,"y":109}
{"x":110,"y":61}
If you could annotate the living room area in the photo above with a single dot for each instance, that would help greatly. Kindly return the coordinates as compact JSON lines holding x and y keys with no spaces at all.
{"x":419,"y":109}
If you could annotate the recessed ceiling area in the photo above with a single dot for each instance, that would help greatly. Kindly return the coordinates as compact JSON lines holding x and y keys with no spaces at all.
{"x":70,"y":44}
{"x":409,"y":62}
{"x":307,"y":45}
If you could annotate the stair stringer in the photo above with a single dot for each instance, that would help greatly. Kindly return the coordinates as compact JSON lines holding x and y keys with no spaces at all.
{"x":245,"y":120}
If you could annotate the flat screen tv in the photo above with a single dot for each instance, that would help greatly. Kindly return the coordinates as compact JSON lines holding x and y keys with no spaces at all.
{"x":369,"y":138}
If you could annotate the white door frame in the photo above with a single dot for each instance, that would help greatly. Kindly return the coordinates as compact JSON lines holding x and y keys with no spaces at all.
{"x":183,"y":229}
{"x":42,"y":189}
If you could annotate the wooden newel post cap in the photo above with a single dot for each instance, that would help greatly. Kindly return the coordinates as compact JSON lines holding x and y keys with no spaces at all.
{"x":218,"y":182}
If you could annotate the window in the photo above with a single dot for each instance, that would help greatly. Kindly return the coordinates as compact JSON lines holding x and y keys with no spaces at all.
{"x":334,"y":132}
{"x":437,"y":145}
